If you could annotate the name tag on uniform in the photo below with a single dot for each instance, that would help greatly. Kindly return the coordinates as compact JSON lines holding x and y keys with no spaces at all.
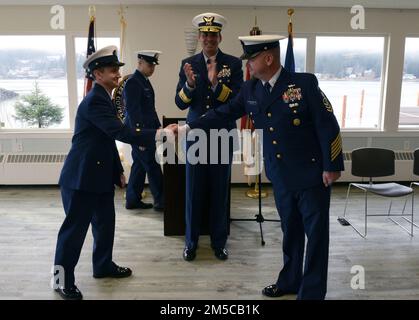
{"x":252,"y":102}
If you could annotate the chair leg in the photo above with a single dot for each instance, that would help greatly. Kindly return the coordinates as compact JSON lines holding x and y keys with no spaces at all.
{"x":347,"y":197}
{"x":405,"y":202}
{"x":346,"y":221}
{"x":411,"y":215}
{"x":366,"y":213}
{"x":411,"y":225}
{"x":389,"y":208}
{"x":410,"y":221}
{"x":365,"y":217}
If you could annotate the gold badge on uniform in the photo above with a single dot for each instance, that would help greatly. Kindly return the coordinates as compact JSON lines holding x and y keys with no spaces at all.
{"x":292,"y":94}
{"x":296,"y":122}
{"x":225,"y":72}
{"x":326,"y":102}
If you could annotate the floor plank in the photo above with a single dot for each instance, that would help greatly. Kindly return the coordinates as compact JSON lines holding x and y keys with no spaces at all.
{"x":31,"y":216}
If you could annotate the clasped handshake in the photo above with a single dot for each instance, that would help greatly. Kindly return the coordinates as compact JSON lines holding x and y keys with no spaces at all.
{"x":171,"y":132}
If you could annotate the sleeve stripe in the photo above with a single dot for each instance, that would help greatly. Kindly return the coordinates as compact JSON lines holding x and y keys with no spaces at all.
{"x":184,"y":97}
{"x":336,"y":147}
{"x":225,"y":92}
{"x":336,"y":153}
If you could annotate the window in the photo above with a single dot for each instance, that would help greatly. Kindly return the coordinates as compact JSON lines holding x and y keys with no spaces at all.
{"x":81,"y":48}
{"x":409,"y":102}
{"x":33,"y":82}
{"x":349,"y":73}
{"x":300,"y":49}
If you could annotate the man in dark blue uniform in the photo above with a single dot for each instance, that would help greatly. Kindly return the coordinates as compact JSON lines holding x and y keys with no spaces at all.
{"x":207,"y":80}
{"x":89,"y":174}
{"x":140,"y":112}
{"x":303,"y":156}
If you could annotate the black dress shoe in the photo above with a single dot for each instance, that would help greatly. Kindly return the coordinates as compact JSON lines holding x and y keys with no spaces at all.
{"x":117,"y":272}
{"x":189,"y":254}
{"x":221,"y":253}
{"x":140,"y":205}
{"x":273,"y":291}
{"x":73,"y":293}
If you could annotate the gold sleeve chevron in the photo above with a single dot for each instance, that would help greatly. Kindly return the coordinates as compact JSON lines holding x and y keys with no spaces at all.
{"x":225,"y":92}
{"x":336,"y":147}
{"x":184,"y":97}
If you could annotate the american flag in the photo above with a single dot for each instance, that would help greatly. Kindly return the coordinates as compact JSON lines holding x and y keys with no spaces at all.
{"x":88,"y":81}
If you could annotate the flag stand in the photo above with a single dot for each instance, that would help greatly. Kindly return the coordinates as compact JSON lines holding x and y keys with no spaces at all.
{"x":259,"y":218}
{"x":254,"y":193}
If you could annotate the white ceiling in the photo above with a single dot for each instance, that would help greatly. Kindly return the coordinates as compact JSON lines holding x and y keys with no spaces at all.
{"x":400,"y":4}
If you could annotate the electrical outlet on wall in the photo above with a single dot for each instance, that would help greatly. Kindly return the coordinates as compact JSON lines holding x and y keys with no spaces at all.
{"x":17,"y":145}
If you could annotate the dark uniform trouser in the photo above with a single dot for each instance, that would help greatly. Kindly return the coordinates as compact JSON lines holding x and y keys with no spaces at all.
{"x":144,"y":162}
{"x":304,"y":212}
{"x":207,"y":187}
{"x":81,"y":209}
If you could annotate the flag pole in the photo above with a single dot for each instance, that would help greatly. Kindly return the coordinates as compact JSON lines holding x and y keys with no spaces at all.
{"x":91,"y":48}
{"x":290,"y":13}
{"x":123,"y":24}
{"x":289,"y":64}
{"x":253,"y":193}
{"x":92,"y":15}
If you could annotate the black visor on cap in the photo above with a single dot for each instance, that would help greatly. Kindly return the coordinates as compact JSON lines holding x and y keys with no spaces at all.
{"x":151,"y":60}
{"x":105,"y":62}
{"x":251,"y":51}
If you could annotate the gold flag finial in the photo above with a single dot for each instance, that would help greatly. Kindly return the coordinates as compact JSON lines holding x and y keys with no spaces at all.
{"x":290,"y":13}
{"x":121,"y":13}
{"x":92,"y":11}
{"x":255,"y":30}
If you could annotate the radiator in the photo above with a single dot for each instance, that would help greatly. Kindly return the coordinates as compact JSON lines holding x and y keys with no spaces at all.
{"x":30,"y":168}
{"x":45,"y":168}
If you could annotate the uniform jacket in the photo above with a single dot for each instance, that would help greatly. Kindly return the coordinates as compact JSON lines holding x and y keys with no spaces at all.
{"x":93,"y":162}
{"x":301,"y":136}
{"x":140,"y":111}
{"x":203,"y":98}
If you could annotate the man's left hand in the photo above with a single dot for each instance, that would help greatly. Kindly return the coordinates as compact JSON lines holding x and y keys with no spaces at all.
{"x":329,"y":177}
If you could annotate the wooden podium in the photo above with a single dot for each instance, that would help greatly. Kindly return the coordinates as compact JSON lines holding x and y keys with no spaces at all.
{"x":174,"y":192}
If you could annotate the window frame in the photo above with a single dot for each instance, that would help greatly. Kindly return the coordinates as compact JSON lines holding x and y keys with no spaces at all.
{"x":313,"y":43}
{"x":405,"y":129}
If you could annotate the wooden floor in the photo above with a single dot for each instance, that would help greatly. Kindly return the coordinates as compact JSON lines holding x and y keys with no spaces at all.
{"x":31,"y":216}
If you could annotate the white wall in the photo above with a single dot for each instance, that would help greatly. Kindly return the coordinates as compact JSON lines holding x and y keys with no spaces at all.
{"x":162,"y":28}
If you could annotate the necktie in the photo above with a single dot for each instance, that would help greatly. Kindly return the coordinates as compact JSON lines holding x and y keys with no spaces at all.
{"x":267,"y":87}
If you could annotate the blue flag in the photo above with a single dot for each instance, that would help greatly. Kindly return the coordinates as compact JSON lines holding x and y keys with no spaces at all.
{"x":289,"y":58}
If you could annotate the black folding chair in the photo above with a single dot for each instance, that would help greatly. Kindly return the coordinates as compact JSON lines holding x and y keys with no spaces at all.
{"x":374,"y":163}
